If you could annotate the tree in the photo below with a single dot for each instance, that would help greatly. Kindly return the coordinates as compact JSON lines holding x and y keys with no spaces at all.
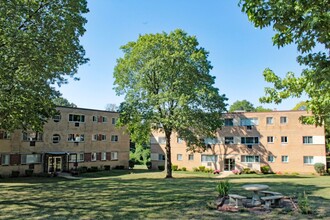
{"x":111,"y":107}
{"x":262,"y":109}
{"x":39,"y":47}
{"x":60,"y":101}
{"x":167,"y":86}
{"x":301,"y":106}
{"x":243,"y":105}
{"x":306,"y":24}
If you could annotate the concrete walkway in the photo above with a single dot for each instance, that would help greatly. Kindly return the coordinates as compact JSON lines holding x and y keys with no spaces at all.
{"x":224,"y":174}
{"x":69,"y":176}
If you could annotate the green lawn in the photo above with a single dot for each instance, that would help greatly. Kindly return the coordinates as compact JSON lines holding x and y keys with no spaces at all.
{"x":140,"y":194}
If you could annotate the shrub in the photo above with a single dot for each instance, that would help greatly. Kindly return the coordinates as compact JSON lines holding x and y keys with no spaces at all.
{"x":184,"y":169}
{"x":175,"y":167}
{"x":195,"y":169}
{"x":246,"y":171}
{"x":82,"y":169}
{"x":201,"y":168}
{"x":131,"y":164}
{"x":216,"y":172}
{"x":119,"y":167}
{"x":208,"y":170}
{"x":161,"y":167}
{"x":329,"y":170}
{"x":295,"y":173}
{"x":265,"y":169}
{"x":94,"y":169}
{"x":236,"y":172}
{"x":107,"y":167}
{"x":29,"y":172}
{"x":304,"y":204}
{"x":149,"y":165}
{"x":319,"y":168}
{"x":14,"y":173}
{"x":223,"y":188}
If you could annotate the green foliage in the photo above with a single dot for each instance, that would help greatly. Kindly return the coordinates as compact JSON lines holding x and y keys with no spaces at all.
{"x":175,"y":167}
{"x":243,"y":105}
{"x":161,"y":167}
{"x":60,"y":101}
{"x":29,"y":172}
{"x":131,"y":164}
{"x":308,"y":28}
{"x":167,"y":87}
{"x":248,"y":171}
{"x":201,"y":168}
{"x":39,"y":47}
{"x":301,"y":106}
{"x":140,"y":153}
{"x":195,"y":169}
{"x":304,"y":204}
{"x":223,"y":188}
{"x":265,"y":169}
{"x":149,"y":165}
{"x":319,"y":168}
{"x":262,"y":109}
{"x":184,"y":169}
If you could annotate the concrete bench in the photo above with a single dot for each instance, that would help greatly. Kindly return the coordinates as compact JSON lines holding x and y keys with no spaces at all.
{"x":272,"y":200}
{"x":270,"y":193}
{"x":236,"y":199}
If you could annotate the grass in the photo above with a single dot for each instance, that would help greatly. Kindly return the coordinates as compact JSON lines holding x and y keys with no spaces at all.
{"x":143,"y":194}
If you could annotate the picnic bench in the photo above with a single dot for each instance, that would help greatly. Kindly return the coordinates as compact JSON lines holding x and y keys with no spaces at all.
{"x":236,"y":199}
{"x":275,"y":199}
{"x":270,"y":193}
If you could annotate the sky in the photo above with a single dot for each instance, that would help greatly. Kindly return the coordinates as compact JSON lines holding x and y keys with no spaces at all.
{"x":238,"y":51}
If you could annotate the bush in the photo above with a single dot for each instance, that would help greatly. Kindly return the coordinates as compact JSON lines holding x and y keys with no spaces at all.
{"x":195,"y":169}
{"x":208,"y":170}
{"x":29,"y":172}
{"x":319,"y":168}
{"x":246,"y":171}
{"x":119,"y":167}
{"x":131,"y":164}
{"x":304,"y":204}
{"x":216,"y":172}
{"x":94,"y":169}
{"x":14,"y":173}
{"x":149,"y":165}
{"x":82,"y":169}
{"x":265,"y":169}
{"x":107,"y":167}
{"x":236,"y":172}
{"x":201,"y":168}
{"x":175,"y":167}
{"x":223,"y":188}
{"x":161,"y":167}
{"x":184,"y":169}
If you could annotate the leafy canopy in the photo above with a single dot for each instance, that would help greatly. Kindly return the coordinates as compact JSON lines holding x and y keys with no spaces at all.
{"x":306,"y":24}
{"x":60,"y":101}
{"x":167,"y":86}
{"x":39,"y":47}
{"x":247,"y":106}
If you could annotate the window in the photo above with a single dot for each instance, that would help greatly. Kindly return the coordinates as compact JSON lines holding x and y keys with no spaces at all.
{"x":5,"y":158}
{"x":100,"y":119}
{"x":76,"y":118}
{"x":308,"y":160}
{"x":114,"y":138}
{"x":114,"y":155}
{"x":307,"y":139}
{"x":285,"y":159}
{"x":210,"y":141}
{"x":250,"y":159}
{"x":179,"y":156}
{"x":229,"y":122}
{"x":113,"y":121}
{"x":249,"y":140}
{"x":76,"y":137}
{"x":4,"y":135}
{"x":72,"y":157}
{"x":30,"y":158}
{"x":93,"y":156}
{"x":161,"y":140}
{"x":269,"y":120}
{"x":229,"y":140}
{"x":161,"y":157}
{"x":249,"y":121}
{"x":32,"y":136}
{"x":57,"y":118}
{"x":179,"y":140}
{"x":284,"y":139}
{"x":249,"y":127}
{"x":56,"y":138}
{"x":271,"y":159}
{"x":270,"y":139}
{"x":209,"y":158}
{"x":103,"y":155}
{"x":99,"y":137}
{"x":191,"y":157}
{"x":283,"y":120}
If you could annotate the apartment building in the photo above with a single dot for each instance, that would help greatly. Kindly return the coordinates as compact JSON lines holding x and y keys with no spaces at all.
{"x":251,"y":140}
{"x":73,"y":138}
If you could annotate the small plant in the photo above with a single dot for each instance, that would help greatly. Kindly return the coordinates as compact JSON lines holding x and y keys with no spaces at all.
{"x":265,"y":169}
{"x":279,"y":173}
{"x":14,"y":173}
{"x":201,"y":168}
{"x":304,"y":204}
{"x":319,"y":168}
{"x":107,"y":167}
{"x":131,"y":164}
{"x":295,"y":174}
{"x":184,"y":169}
{"x":161,"y":167}
{"x":246,"y":171}
{"x":195,"y":169}
{"x":149,"y":165}
{"x":175,"y":167}
{"x":223,"y":188}
{"x":216,"y":172}
{"x":29,"y":172}
{"x":236,"y":172}
{"x":208,"y":170}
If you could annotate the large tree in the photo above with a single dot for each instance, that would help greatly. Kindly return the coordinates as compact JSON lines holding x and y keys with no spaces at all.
{"x":167,"y":86}
{"x":39,"y":47}
{"x":60,"y":101}
{"x":243,"y":105}
{"x":305,"y":24}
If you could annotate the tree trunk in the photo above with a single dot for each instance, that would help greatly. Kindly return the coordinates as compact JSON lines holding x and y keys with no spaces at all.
{"x":168,"y":154}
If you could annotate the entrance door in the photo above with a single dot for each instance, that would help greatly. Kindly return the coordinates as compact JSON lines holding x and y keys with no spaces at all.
{"x":229,"y":164}
{"x":55,"y":164}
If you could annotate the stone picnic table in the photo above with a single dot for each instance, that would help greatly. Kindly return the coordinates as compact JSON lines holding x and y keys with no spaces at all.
{"x":255,"y":188}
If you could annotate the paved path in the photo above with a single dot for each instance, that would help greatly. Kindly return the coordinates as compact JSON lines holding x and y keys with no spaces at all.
{"x":224,"y":174}
{"x":69,"y":176}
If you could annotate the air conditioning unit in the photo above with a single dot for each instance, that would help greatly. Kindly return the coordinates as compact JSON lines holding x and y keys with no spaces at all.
{"x":249,"y":146}
{"x":209,"y":164}
{"x":76,"y":124}
{"x":249,"y":127}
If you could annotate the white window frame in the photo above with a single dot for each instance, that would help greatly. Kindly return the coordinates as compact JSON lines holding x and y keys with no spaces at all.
{"x":283,"y":157}
{"x":269,"y":120}
{"x":114,"y":155}
{"x":244,"y":140}
{"x":249,"y":121}
{"x":57,"y":118}
{"x":93,"y":156}
{"x":99,"y":137}
{"x":271,"y":159}
{"x":179,"y":140}
{"x":308,"y":160}
{"x":307,"y":139}
{"x":230,"y":140}
{"x":229,"y":122}
{"x":76,"y":137}
{"x":191,"y":157}
{"x":72,"y":118}
{"x":285,"y":141}
{"x":31,"y":158}
{"x":114,"y":121}
{"x":5,"y":135}
{"x":56,"y":138}
{"x":161,"y":140}
{"x":27,"y":136}
{"x":103,"y":155}
{"x":270,"y":139}
{"x":283,"y":120}
{"x":179,"y":157}
{"x":114,"y":138}
{"x":209,"y":158}
{"x":251,"y":159}
{"x":5,"y":159}
{"x":161,"y":157}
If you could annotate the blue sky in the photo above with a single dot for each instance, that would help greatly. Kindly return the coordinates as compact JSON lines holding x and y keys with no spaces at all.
{"x":239,"y":52}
